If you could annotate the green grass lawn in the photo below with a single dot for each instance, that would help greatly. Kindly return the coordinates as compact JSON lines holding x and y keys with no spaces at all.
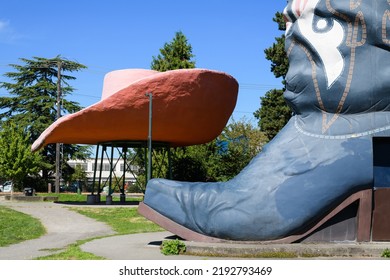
{"x":123,"y":220}
{"x":17,"y":227}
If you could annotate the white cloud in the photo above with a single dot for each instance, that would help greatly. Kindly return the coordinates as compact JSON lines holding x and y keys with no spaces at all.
{"x":3,"y":25}
{"x":7,"y":33}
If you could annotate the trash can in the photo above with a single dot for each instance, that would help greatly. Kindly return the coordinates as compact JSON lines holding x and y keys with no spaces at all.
{"x":28,"y":191}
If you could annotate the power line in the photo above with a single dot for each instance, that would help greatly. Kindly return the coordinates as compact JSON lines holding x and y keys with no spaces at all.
{"x":258,"y":87}
{"x":87,"y":95}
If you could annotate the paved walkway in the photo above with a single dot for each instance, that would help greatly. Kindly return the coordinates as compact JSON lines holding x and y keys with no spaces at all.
{"x":143,"y":246}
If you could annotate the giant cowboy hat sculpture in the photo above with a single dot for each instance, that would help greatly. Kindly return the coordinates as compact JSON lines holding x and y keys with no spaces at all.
{"x":190,"y":106}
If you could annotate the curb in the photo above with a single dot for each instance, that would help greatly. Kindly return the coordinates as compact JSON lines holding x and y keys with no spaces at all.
{"x":311,"y":250}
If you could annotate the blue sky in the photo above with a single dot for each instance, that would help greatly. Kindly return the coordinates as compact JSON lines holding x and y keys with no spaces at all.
{"x":228,"y":36}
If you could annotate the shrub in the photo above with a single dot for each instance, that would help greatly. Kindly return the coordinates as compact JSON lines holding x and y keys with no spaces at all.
{"x":386,"y":253}
{"x":173,"y":247}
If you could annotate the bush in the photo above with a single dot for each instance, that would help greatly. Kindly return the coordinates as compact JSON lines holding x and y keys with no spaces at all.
{"x":173,"y":247}
{"x":386,"y":253}
{"x":134,"y":188}
{"x":37,"y":183}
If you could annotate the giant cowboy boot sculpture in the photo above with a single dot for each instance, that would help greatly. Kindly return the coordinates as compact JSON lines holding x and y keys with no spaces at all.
{"x":338,"y":86}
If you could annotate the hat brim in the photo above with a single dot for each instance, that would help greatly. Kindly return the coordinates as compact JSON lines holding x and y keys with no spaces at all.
{"x":190,"y":106}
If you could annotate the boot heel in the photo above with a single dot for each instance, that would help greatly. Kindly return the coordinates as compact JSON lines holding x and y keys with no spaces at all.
{"x":323,"y":230}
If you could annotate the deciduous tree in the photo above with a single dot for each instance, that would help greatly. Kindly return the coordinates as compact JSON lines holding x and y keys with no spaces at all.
{"x":17,"y":162}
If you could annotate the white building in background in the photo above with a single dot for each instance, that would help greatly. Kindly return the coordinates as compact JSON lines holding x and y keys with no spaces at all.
{"x":89,"y":166}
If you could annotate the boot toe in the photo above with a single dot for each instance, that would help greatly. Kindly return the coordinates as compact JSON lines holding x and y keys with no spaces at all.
{"x":164,"y":196}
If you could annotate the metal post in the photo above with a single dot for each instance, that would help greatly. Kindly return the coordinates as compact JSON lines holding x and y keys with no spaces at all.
{"x":124,"y":156}
{"x":95,"y":169}
{"x":123,"y":191}
{"x":149,"y":175}
{"x":92,"y":198}
{"x":111,"y":170}
{"x":104,"y":147}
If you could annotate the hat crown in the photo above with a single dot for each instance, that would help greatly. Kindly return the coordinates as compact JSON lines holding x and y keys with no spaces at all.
{"x":117,"y":80}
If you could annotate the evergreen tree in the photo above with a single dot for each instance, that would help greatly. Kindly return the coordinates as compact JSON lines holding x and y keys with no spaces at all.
{"x":34,"y":92}
{"x":176,"y":54}
{"x":276,"y":53}
{"x":33,"y":100}
{"x":274,"y":112}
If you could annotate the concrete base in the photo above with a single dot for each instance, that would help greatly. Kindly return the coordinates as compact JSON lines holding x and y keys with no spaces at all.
{"x":91,"y":199}
{"x":108,"y":199}
{"x":297,"y":250}
{"x":30,"y":198}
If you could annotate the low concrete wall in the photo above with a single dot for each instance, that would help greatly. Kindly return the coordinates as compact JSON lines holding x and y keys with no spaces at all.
{"x":30,"y":198}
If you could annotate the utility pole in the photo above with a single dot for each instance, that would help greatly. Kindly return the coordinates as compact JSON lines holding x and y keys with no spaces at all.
{"x":58,"y":145}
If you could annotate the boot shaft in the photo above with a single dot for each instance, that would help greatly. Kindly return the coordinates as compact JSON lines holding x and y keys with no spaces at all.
{"x":339,"y":54}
